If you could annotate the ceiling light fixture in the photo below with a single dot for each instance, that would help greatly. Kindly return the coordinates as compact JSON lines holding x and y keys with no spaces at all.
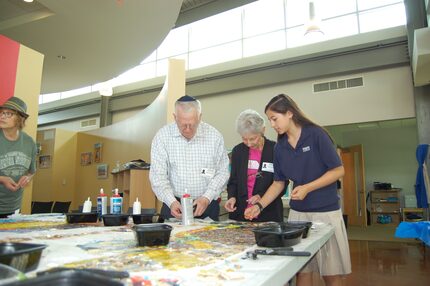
{"x":313,"y":25}
{"x":28,"y":1}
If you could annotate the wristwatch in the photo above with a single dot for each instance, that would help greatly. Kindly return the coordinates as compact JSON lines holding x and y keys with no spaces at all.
{"x":260,"y":206}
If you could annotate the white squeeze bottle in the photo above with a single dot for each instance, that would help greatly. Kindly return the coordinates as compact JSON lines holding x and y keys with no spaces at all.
{"x":137,"y":207}
{"x":101,"y":204}
{"x":116,"y":203}
{"x":87,"y":206}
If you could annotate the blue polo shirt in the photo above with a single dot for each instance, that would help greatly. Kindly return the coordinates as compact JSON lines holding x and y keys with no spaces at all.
{"x":313,"y":156}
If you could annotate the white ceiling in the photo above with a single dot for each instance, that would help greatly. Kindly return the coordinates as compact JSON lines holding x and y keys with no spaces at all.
{"x":87,"y":41}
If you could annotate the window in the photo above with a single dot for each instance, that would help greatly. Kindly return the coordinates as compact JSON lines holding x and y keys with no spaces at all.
{"x":264,"y":44}
{"x":262,"y":17}
{"x":382,"y":18}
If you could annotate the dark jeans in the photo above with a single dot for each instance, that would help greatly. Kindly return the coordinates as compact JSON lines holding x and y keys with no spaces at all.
{"x":211,"y":211}
{"x":5,"y":215}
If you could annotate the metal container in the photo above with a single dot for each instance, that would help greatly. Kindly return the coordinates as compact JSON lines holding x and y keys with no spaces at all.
{"x":187,"y":210}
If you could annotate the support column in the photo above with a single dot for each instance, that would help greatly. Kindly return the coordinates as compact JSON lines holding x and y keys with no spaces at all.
{"x":105,"y":114}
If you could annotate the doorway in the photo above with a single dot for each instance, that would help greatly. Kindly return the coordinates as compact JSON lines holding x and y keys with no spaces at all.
{"x":353,"y":185}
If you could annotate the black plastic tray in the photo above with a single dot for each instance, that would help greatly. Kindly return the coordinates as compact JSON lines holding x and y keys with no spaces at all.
{"x":279,"y":235}
{"x":68,"y":278}
{"x":147,"y":218}
{"x":152,"y":234}
{"x":81,"y":217}
{"x":300,"y":224}
{"x":22,"y":256}
{"x":115,"y":219}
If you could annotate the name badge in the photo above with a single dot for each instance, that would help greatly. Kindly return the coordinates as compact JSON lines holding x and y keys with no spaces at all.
{"x":207,"y":172}
{"x":306,"y":149}
{"x":267,"y":167}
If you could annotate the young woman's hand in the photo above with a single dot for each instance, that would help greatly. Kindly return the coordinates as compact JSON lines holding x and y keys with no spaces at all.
{"x":254,"y":199}
{"x":252,"y":212}
{"x":299,"y":193}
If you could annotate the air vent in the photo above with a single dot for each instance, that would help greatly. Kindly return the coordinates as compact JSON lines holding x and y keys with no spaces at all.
{"x":338,"y":84}
{"x":88,"y":123}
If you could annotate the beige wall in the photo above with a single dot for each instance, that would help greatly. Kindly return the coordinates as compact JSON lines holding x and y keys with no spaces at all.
{"x":57,"y":182}
{"x":386,"y":94}
{"x":129,"y":139}
{"x":27,"y":87}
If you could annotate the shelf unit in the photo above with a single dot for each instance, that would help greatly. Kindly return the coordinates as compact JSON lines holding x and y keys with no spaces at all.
{"x":383,"y":204}
{"x":134,"y":183}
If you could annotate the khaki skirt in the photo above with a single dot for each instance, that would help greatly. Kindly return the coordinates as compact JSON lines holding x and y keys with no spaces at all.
{"x":333,"y":258}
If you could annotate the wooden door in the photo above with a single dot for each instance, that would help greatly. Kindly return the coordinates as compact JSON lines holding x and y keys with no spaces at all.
{"x":354,"y":193}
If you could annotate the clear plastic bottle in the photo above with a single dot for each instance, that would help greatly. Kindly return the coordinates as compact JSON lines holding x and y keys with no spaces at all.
{"x":187,"y":209}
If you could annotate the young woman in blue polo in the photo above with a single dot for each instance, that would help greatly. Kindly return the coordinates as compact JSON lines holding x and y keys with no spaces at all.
{"x":306,"y":155}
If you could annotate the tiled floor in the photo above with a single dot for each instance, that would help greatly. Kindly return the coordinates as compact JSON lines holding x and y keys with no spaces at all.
{"x":377,"y":263}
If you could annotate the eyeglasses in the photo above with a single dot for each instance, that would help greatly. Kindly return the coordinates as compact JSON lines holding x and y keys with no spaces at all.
{"x":7,"y":114}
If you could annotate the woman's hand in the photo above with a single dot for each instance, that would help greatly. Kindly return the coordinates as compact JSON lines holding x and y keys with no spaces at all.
{"x":254,"y":199}
{"x":252,"y":212}
{"x":299,"y":193}
{"x":230,"y":205}
{"x":10,"y":184}
{"x":24,"y":180}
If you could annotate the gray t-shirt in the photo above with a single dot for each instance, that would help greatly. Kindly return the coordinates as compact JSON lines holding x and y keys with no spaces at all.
{"x":17,"y":158}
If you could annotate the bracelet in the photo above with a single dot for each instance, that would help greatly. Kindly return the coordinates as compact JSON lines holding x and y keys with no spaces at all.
{"x":260,"y":206}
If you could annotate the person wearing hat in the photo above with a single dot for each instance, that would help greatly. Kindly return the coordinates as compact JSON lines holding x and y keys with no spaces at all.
{"x":17,"y":155}
{"x":188,"y":156}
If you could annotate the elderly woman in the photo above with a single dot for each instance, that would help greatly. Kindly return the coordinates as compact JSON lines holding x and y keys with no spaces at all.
{"x":17,"y":155}
{"x":252,"y":170}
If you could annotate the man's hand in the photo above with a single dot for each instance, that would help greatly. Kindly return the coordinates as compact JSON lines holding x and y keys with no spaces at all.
{"x":230,"y":205}
{"x":176,"y":210}
{"x":9,"y":184}
{"x":201,"y":205}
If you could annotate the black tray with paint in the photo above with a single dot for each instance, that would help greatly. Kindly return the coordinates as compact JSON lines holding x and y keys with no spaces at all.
{"x":299,"y":224}
{"x":147,"y":218}
{"x":152,"y":234}
{"x":68,"y":278}
{"x":115,"y":219}
{"x":279,"y":235}
{"x":22,"y":256}
{"x":81,"y":217}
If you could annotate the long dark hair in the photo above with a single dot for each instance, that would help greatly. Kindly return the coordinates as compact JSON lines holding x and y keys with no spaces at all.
{"x":283,"y":103}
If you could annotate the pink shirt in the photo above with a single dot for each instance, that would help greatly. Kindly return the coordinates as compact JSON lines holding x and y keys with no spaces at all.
{"x":254,"y":161}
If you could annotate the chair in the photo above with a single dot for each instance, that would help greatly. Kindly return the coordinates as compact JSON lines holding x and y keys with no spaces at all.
{"x":61,"y":207}
{"x":41,"y":207}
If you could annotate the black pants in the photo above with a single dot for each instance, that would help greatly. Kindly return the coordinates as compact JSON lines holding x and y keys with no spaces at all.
{"x":5,"y":215}
{"x":211,"y":211}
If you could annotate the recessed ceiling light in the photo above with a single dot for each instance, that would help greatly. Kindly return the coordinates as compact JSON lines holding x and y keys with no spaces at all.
{"x":29,"y":1}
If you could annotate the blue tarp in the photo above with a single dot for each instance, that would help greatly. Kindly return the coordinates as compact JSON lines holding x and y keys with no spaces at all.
{"x":419,"y":230}
{"x":420,"y":187}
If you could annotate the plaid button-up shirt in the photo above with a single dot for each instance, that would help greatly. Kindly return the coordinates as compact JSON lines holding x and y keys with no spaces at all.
{"x":198,"y":166}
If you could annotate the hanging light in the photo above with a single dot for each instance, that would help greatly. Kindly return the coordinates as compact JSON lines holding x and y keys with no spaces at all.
{"x":313,"y":24}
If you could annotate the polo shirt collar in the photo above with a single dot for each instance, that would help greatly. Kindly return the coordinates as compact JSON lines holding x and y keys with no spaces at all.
{"x":305,"y":133}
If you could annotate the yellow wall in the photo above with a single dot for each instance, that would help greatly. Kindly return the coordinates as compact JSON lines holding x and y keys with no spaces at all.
{"x":57,"y":182}
{"x":27,"y":87}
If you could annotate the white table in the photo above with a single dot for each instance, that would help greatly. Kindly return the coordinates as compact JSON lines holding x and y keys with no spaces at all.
{"x":265,"y":270}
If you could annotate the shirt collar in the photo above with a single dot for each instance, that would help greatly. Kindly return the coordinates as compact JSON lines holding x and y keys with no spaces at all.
{"x":177,"y":133}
